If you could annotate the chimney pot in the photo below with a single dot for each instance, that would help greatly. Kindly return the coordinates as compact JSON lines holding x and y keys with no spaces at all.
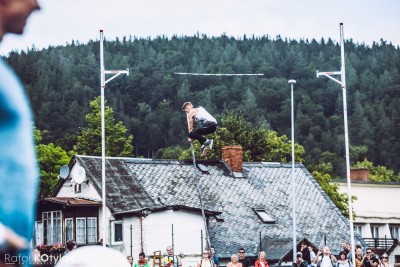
{"x":232,"y":155}
{"x":359,"y":174}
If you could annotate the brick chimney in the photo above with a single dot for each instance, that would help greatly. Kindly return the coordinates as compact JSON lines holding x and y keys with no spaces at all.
{"x":359,"y":174}
{"x":232,"y":155}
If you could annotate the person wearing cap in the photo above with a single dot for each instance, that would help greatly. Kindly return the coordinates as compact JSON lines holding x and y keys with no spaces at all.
{"x":200,"y":123}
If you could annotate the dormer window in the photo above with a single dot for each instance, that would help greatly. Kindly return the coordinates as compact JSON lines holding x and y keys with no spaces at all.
{"x":264,"y":216}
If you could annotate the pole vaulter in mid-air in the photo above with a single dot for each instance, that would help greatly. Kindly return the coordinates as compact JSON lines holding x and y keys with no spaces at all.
{"x":200,"y":123}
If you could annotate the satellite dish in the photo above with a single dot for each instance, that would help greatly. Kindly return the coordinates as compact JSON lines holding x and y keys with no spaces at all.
{"x":80,"y":175}
{"x":64,"y":172}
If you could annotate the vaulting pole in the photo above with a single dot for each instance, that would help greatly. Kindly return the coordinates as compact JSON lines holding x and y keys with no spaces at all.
{"x":199,"y":190}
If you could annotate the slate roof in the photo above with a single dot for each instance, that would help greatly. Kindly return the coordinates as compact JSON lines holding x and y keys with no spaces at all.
{"x":161,"y":183}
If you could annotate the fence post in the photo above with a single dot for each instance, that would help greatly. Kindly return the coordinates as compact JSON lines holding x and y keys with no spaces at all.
{"x":173,"y":246}
{"x":385,"y":243}
{"x":131,"y":240}
{"x":201,"y":237}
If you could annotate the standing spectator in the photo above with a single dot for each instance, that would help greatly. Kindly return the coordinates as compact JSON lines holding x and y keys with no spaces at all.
{"x":205,"y":261}
{"x":343,"y":261}
{"x":130,"y":260}
{"x":142,"y":262}
{"x":242,"y":258}
{"x":261,"y":261}
{"x":305,"y":252}
{"x":345,"y":248}
{"x":350,"y":254}
{"x":312,"y":255}
{"x":234,"y":261}
{"x":300,"y":262}
{"x":215,"y":257}
{"x":18,"y":165}
{"x":171,"y":259}
{"x":359,"y":257}
{"x":324,"y":258}
{"x":369,"y":259}
{"x":385,"y":261}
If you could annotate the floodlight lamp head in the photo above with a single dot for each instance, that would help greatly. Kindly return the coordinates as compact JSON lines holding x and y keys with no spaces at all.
{"x":292,"y":81}
{"x":317,"y":74}
{"x":127,"y":73}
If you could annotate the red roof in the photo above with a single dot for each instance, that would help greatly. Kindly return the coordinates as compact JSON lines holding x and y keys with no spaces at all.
{"x":72,"y":201}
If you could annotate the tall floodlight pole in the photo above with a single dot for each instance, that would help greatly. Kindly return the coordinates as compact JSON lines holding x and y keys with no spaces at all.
{"x":292,"y":82}
{"x":103,"y":82}
{"x":342,"y":82}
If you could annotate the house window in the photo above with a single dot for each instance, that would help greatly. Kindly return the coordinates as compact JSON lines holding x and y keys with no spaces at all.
{"x":69,"y":229}
{"x":52,"y":227}
{"x":394,"y":231}
{"x":77,"y":188}
{"x":264,"y":216}
{"x":38,"y":233}
{"x":92,"y":230}
{"x":375,"y":231}
{"x":116,"y":232}
{"x":357,"y":230}
{"x":80,"y":230}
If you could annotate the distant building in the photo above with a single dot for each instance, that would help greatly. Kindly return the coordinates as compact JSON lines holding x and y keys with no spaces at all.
{"x":154,"y":203}
{"x":377,"y":211}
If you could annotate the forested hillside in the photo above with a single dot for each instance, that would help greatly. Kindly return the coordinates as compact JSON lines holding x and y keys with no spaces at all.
{"x":61,"y":81}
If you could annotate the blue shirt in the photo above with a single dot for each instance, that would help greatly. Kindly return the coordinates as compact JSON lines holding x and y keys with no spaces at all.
{"x":18,"y":165}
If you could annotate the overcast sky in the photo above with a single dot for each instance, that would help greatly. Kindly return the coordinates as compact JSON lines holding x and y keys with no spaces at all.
{"x":61,"y":21}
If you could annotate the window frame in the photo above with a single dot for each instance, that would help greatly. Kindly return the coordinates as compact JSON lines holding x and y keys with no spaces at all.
{"x":72,"y":228}
{"x":395,"y":228}
{"x":375,"y":231}
{"x":76,"y":231}
{"x":113,"y":234}
{"x":95,"y":230}
{"x":356,"y":227}
{"x":39,"y":238}
{"x":262,"y":214}
{"x":49,"y":234}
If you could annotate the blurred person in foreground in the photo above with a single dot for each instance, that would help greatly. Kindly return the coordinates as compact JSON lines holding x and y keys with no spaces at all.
{"x":18,"y":165}
{"x":93,"y":256}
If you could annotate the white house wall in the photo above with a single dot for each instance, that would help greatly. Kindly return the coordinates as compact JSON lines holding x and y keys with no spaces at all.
{"x":376,"y":205}
{"x":89,"y":192}
{"x":87,"y":189}
{"x":157,"y":234}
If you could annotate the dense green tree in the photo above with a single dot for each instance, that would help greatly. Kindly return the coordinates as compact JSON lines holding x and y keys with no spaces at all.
{"x":117,"y":142}
{"x":377,"y":173}
{"x":62,"y":80}
{"x":258,"y":144}
{"x":323,"y":174}
{"x":50,"y":158}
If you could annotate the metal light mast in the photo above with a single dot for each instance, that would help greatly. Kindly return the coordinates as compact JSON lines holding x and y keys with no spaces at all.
{"x":292,"y":82}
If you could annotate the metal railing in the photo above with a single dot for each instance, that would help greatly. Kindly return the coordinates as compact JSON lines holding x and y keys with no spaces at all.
{"x":380,"y":243}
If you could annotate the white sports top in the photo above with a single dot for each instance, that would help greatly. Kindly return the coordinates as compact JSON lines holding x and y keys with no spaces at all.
{"x":202,"y":114}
